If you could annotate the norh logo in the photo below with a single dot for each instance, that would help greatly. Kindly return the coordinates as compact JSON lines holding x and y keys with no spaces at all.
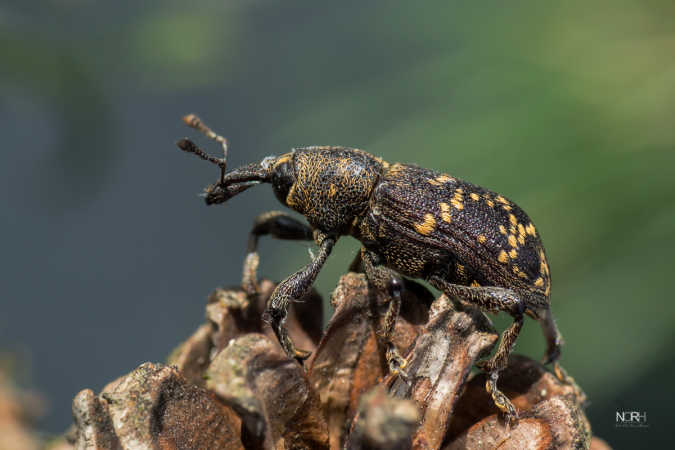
{"x":631,"y":419}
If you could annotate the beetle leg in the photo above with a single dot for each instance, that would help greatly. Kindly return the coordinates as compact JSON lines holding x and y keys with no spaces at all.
{"x":292,"y":288}
{"x":493,"y":299}
{"x":395,"y":361}
{"x":554,"y":342}
{"x":386,"y":280}
{"x":277,"y":224}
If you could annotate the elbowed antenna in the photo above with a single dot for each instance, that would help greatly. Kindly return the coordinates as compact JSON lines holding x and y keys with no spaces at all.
{"x":232,"y":183}
{"x":187,"y":145}
{"x":195,"y":122}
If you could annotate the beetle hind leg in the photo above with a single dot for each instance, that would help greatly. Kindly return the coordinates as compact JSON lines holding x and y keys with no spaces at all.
{"x":492,"y":299}
{"x":497,"y":363}
{"x":554,"y":343}
{"x":395,"y":361}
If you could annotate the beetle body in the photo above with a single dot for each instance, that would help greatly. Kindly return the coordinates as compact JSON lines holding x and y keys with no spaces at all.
{"x":419,"y":221}
{"x":469,"y":242}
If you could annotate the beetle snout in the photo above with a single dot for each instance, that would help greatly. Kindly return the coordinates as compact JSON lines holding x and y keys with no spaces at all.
{"x":219,"y":193}
{"x":214,"y":194}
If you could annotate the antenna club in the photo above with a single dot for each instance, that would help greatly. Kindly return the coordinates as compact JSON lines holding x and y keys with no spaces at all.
{"x":192,"y":121}
{"x":186,"y":145}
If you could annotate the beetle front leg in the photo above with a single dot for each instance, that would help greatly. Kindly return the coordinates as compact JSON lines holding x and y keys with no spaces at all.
{"x":386,"y":280}
{"x":291,"y":289}
{"x":277,"y":224}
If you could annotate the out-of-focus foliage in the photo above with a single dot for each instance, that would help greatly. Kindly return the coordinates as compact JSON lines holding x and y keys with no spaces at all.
{"x":565,"y":107}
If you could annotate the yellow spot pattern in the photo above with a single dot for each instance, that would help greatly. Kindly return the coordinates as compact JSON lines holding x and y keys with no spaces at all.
{"x":482,"y":239}
{"x":543,"y":266}
{"x":512,"y":241}
{"x":332,"y":190}
{"x":502,"y":229}
{"x":503,"y":257}
{"x":513,"y":220}
{"x":440,"y":180}
{"x":427,"y":226}
{"x":461,"y":271}
{"x":545,"y":274}
{"x":475,"y":283}
{"x":474,"y":196}
{"x":458,"y":199}
{"x":530,"y":229}
{"x":502,"y":200}
{"x":521,"y":229}
{"x":396,"y":169}
{"x":445,"y":213}
{"x":513,"y":254}
{"x":539,"y":282}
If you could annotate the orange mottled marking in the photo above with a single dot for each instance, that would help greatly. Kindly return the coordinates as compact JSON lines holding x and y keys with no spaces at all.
{"x":503,"y":257}
{"x":427,"y":226}
{"x":460,"y":270}
{"x":529,"y":229}
{"x":445,"y":213}
{"x":440,"y":180}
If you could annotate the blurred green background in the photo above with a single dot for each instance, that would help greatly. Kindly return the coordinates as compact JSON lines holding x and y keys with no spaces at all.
{"x":566,"y":107}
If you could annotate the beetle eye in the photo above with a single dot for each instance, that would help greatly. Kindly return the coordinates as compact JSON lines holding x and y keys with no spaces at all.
{"x":283,"y":178}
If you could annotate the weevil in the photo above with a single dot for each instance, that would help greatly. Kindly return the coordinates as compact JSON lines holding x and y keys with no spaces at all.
{"x":469,"y":242}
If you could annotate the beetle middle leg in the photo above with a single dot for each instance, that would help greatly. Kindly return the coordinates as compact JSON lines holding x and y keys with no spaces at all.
{"x":385,"y":280}
{"x":493,"y":299}
{"x":293,"y":288}
{"x":277,"y":224}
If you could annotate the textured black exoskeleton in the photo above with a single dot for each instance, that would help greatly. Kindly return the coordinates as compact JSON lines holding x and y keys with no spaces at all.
{"x":467,"y":241}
